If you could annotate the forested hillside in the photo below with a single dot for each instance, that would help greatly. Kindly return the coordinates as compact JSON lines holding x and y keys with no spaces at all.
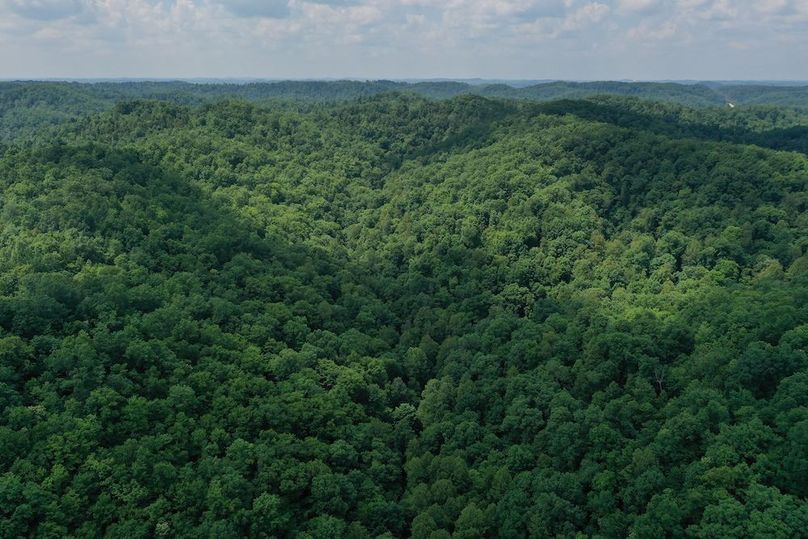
{"x":28,"y":106}
{"x":401,"y":317}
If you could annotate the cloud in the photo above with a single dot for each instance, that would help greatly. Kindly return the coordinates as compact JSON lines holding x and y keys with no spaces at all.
{"x":275,"y":9}
{"x":586,"y":15}
{"x":647,"y":32}
{"x":46,"y":10}
{"x":405,"y":38}
{"x":773,"y":6}
{"x":638,"y":6}
{"x":546,"y":9}
{"x":335,"y":2}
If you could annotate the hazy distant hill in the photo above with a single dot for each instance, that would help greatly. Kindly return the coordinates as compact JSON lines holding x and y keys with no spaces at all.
{"x":26,"y":105}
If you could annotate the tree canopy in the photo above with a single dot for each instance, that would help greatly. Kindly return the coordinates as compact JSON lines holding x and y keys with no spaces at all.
{"x":394,"y":316}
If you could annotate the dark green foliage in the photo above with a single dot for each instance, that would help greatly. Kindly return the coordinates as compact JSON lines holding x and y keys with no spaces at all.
{"x":400,"y":317}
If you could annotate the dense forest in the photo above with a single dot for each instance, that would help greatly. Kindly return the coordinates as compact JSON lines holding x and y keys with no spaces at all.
{"x":227,"y":313}
{"x":27,"y":106}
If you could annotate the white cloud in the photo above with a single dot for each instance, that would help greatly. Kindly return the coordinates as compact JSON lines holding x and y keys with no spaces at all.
{"x":655,"y":32}
{"x":389,"y":38}
{"x":586,"y":15}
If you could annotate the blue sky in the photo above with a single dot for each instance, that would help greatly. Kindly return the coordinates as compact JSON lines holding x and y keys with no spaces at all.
{"x":518,"y":39}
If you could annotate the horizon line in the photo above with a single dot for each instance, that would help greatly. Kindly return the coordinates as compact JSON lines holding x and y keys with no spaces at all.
{"x":482,"y":80}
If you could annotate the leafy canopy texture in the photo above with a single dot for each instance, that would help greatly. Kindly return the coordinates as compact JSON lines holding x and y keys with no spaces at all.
{"x":398,"y":317}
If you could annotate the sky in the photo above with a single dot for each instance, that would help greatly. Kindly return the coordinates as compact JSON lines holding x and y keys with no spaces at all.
{"x":394,"y":39}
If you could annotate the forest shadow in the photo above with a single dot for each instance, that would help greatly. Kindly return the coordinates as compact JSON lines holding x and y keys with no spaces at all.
{"x":787,"y":139}
{"x":173,"y":225}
